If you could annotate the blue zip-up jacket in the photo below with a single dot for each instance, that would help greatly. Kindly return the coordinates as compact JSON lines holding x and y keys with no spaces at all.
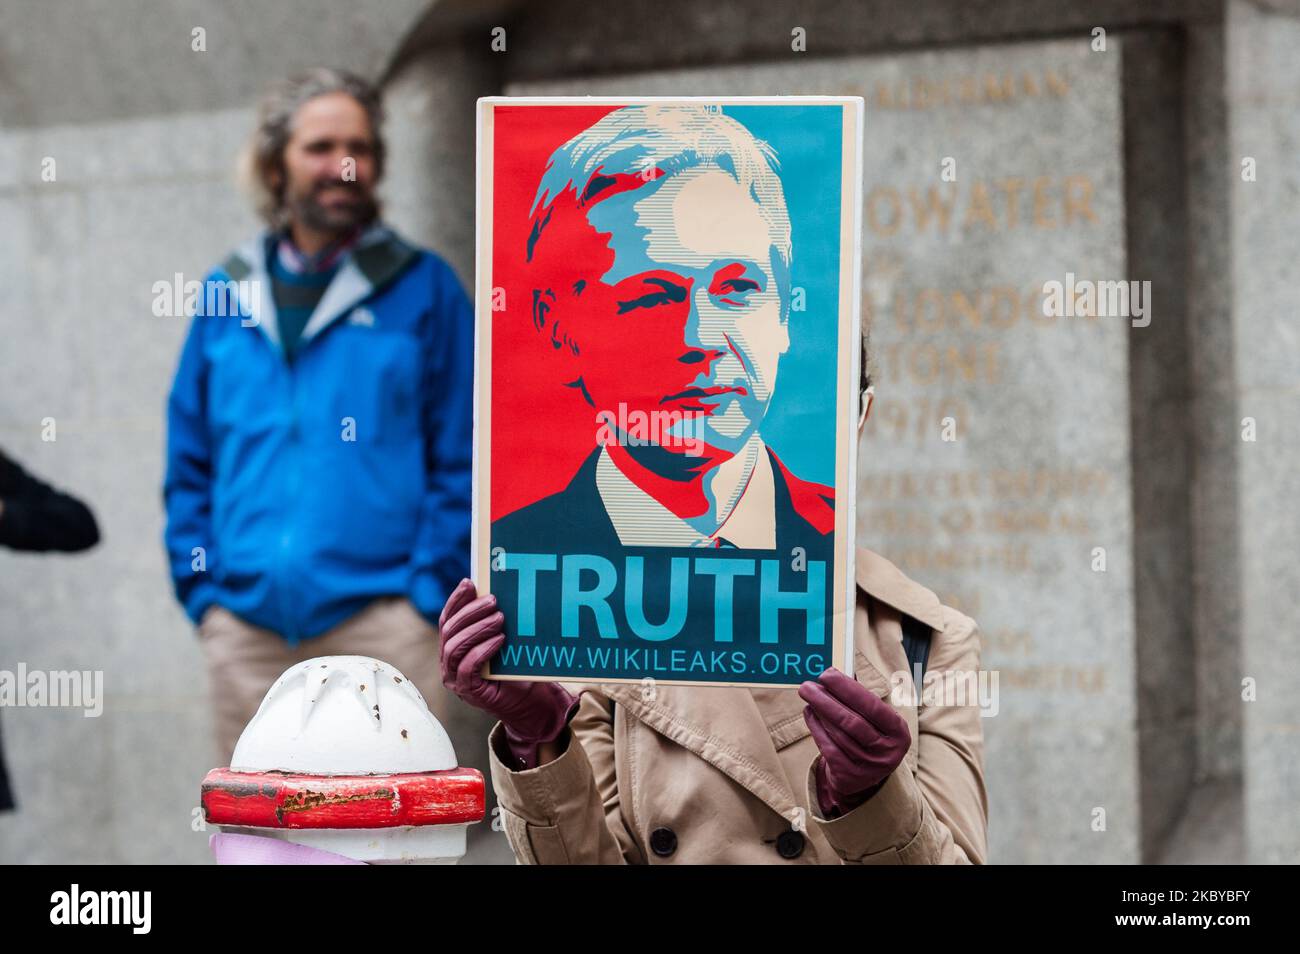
{"x":297,"y":492}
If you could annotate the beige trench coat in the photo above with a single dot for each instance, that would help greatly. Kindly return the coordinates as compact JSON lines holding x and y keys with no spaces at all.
{"x":724,"y":775}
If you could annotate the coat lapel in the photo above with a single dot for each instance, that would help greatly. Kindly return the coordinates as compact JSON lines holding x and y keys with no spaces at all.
{"x":878,"y":629}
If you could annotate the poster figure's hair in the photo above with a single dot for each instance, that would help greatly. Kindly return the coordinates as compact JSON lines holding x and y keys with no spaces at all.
{"x":670,"y":138}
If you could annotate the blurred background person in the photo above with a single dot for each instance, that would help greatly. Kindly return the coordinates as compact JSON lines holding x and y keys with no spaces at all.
{"x":317,"y":486}
{"x":37,"y":518}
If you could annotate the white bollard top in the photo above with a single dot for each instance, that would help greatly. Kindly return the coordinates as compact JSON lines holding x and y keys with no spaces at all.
{"x":343,"y":715}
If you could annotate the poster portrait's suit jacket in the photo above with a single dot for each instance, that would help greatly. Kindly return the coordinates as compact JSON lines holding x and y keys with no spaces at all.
{"x":576,"y":517}
{"x":805,"y":513}
{"x":723,"y":775}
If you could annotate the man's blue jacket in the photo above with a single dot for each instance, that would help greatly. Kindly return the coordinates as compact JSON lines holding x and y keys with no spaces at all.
{"x":296,"y":492}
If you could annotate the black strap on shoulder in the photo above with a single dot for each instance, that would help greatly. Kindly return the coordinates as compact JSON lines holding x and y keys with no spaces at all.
{"x":916,"y":644}
{"x":384,"y":261}
{"x":236,"y":267}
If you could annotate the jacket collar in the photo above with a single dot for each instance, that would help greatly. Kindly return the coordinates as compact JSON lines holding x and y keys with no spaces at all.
{"x":880,"y":579}
{"x":585,"y":509}
{"x":378,"y":257}
{"x":739,"y":730}
{"x":642,"y":521}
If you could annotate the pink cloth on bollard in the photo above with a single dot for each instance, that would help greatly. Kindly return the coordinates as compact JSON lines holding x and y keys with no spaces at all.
{"x":235,"y":849}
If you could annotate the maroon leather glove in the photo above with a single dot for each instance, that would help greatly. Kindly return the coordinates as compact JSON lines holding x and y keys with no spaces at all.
{"x":862,"y":739}
{"x":530,"y":712}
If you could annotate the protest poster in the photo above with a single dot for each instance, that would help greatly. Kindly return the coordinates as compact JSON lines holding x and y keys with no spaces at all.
{"x":667,"y":348}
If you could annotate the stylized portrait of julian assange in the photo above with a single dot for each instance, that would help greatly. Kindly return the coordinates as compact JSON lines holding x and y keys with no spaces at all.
{"x":667,"y":385}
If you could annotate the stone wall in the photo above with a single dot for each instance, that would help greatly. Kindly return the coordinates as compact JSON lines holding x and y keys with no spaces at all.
{"x":1123,"y":690}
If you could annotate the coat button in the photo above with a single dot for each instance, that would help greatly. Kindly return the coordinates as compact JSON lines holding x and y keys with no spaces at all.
{"x":663,"y":842}
{"x":789,"y":844}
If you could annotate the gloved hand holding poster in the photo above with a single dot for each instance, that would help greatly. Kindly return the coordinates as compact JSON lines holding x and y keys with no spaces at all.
{"x":666,"y":401}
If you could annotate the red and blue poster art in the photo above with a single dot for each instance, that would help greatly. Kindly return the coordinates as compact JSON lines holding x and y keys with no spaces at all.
{"x":666,"y":386}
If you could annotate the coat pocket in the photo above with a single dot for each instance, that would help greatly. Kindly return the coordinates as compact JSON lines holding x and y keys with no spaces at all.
{"x":790,"y":731}
{"x":534,"y":844}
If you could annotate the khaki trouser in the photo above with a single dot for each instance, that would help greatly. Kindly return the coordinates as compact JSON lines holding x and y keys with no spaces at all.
{"x":245,"y":660}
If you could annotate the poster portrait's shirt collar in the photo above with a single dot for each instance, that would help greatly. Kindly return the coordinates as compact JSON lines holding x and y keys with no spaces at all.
{"x":641,"y":521}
